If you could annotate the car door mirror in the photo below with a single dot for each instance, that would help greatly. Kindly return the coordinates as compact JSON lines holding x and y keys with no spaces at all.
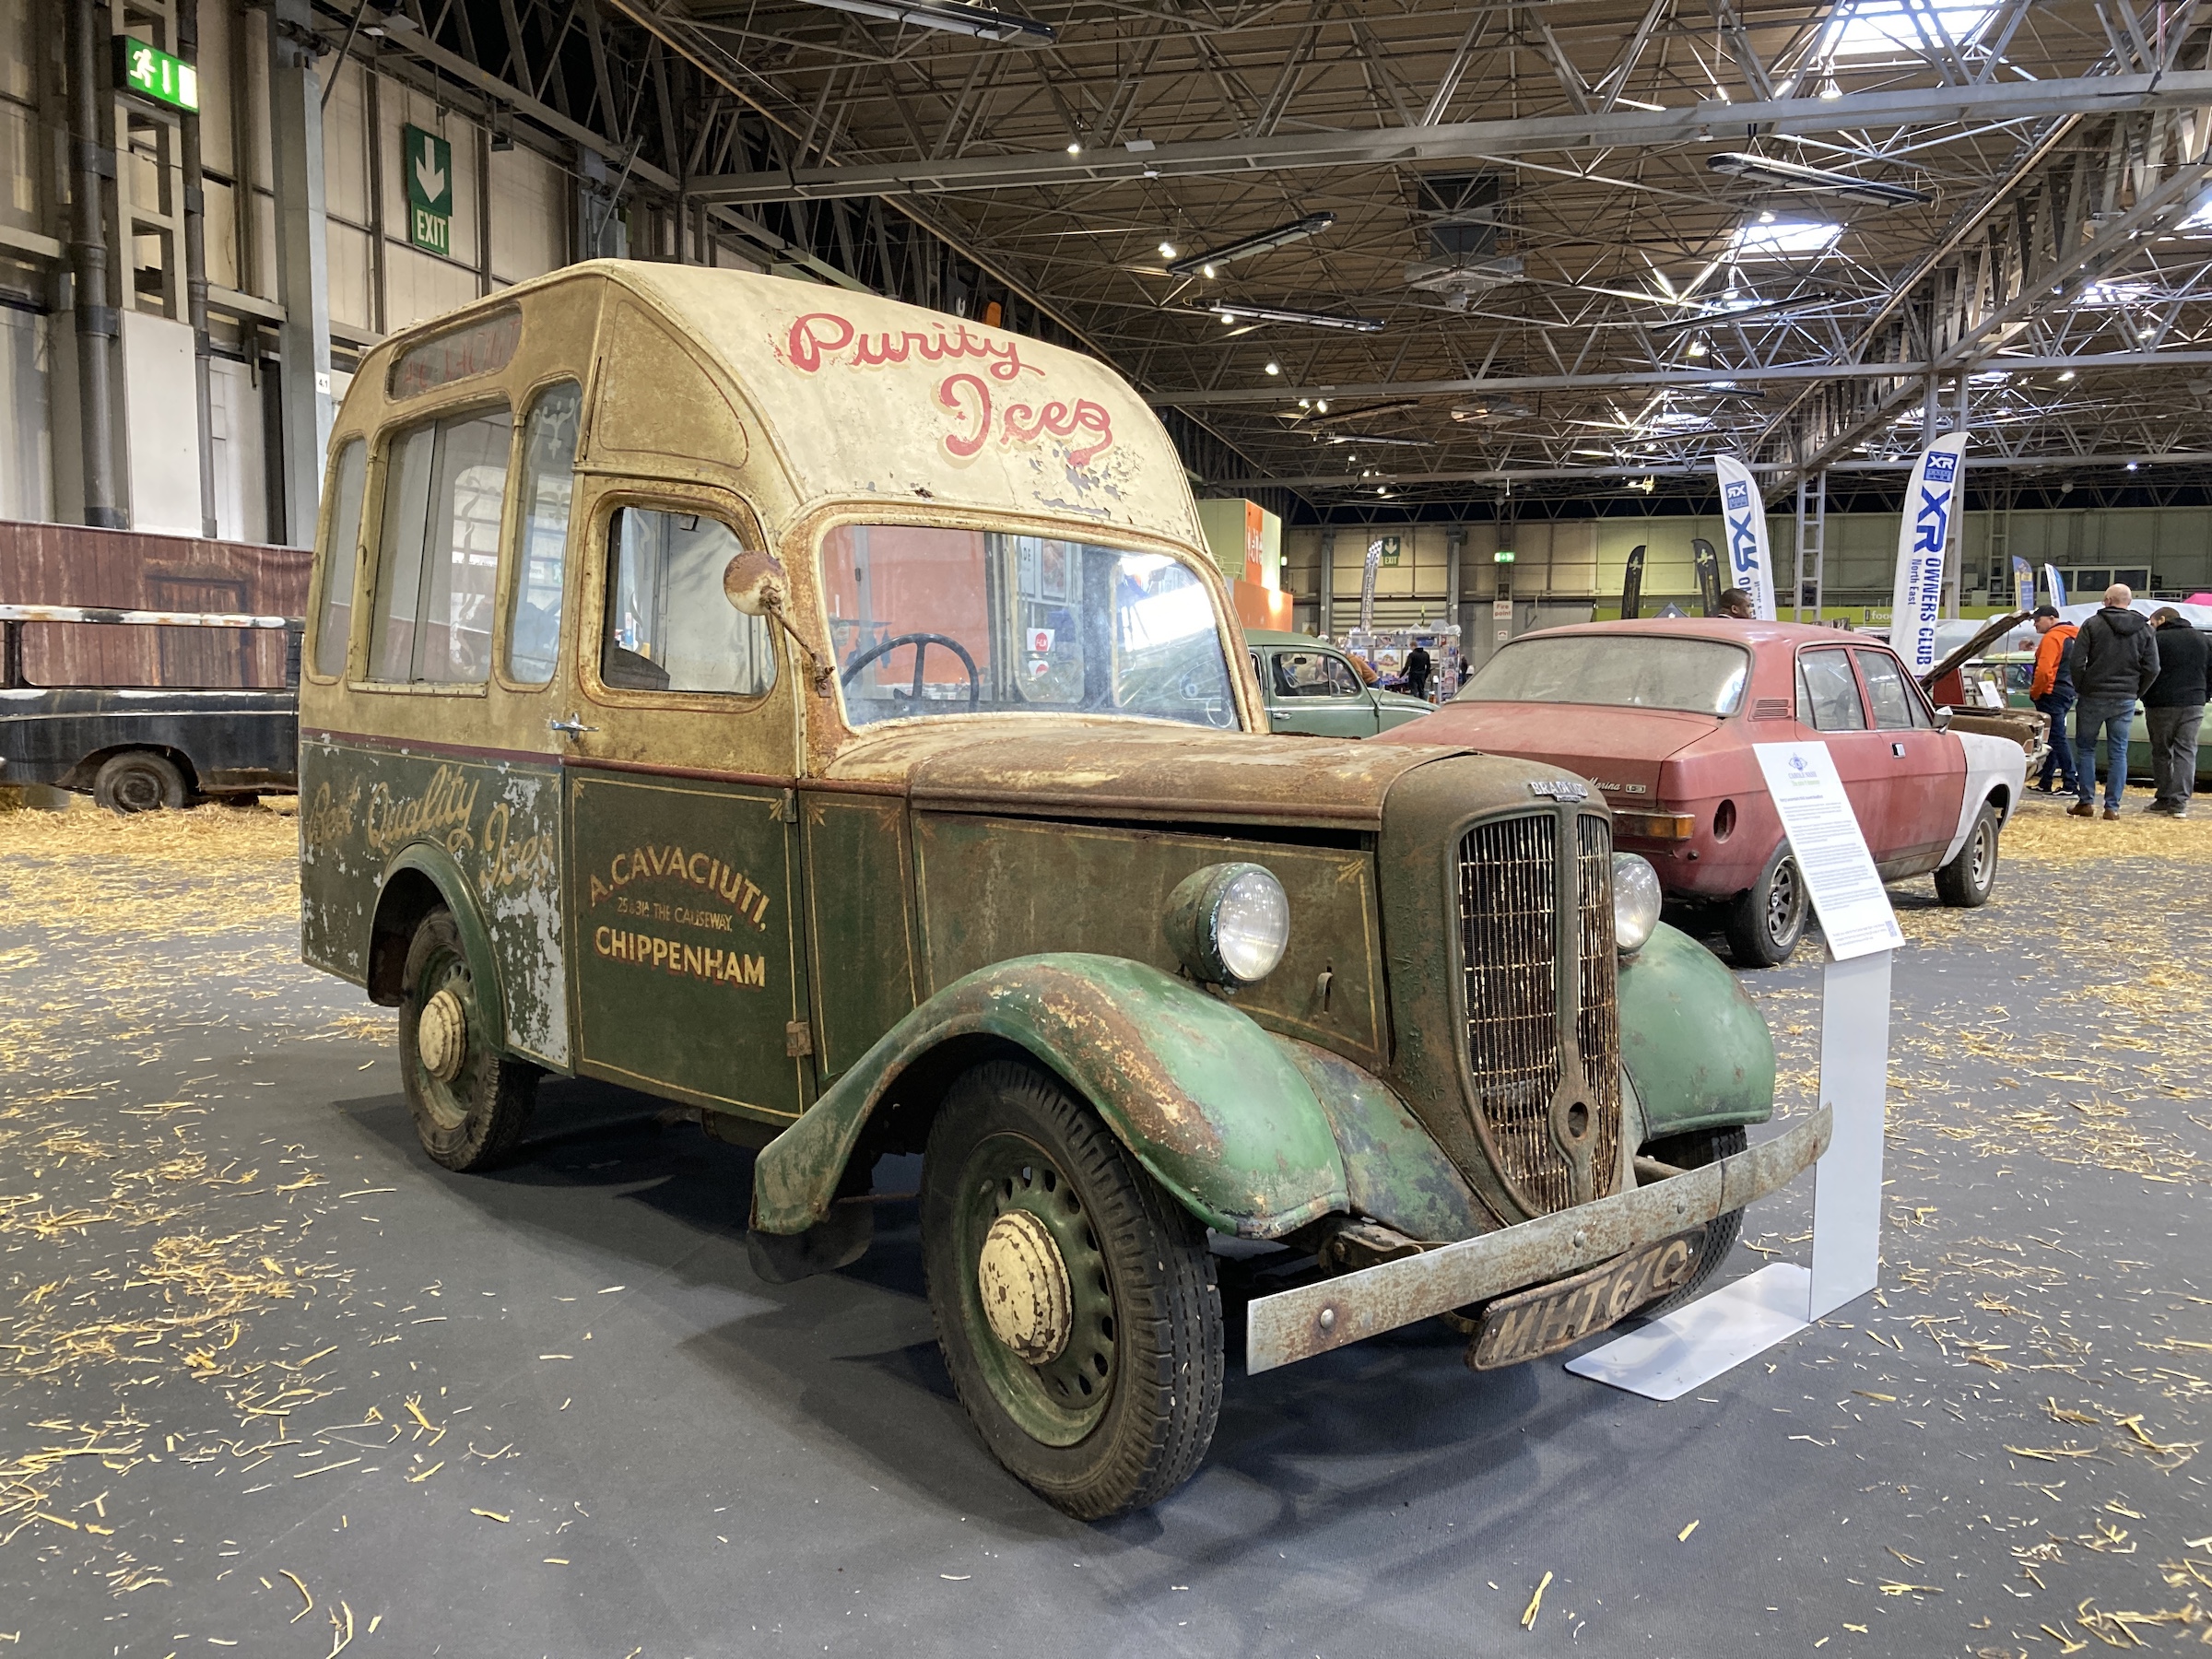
{"x":754,"y":581}
{"x":1942,"y":718}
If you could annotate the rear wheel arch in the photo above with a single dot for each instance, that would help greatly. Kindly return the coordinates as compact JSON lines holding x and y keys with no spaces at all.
{"x":420,"y":879}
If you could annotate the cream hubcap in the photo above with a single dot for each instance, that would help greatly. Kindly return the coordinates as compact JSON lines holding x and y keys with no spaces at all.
{"x":1024,"y":1286}
{"x":441,"y":1035}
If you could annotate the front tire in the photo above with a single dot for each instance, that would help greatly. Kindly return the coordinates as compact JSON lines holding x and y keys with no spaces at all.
{"x":1076,"y":1302}
{"x":470,"y":1102}
{"x":139,"y":781}
{"x":1765,"y":924}
{"x":1967,"y":881}
{"x":1694,"y":1151}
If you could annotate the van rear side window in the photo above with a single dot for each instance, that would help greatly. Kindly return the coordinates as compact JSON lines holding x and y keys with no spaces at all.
{"x":335,"y":628}
{"x":541,"y":533}
{"x":445,"y":483}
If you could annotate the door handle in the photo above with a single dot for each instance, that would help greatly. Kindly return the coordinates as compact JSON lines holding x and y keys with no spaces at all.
{"x":571,"y":728}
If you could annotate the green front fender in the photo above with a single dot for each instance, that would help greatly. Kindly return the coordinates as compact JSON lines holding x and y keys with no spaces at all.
{"x":1694,"y":1046}
{"x":1212,"y":1105}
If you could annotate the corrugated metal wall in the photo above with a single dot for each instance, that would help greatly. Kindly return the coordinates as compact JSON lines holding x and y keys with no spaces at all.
{"x":67,"y":564}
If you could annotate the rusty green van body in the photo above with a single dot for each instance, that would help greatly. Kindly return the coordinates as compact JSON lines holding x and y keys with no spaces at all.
{"x":834,"y":908}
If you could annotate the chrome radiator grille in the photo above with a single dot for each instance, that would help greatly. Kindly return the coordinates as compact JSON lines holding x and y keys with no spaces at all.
{"x":1513,"y":887}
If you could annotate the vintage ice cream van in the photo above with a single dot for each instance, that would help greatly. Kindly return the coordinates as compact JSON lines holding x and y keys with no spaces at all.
{"x":822,"y":713}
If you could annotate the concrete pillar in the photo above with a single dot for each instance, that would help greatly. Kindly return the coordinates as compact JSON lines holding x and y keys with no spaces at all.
{"x":1328,"y":584}
{"x":91,"y":160}
{"x":195,"y":270}
{"x":303,"y":264}
{"x":1455,"y":549}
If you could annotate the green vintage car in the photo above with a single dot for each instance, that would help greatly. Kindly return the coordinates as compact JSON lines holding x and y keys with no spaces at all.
{"x":1312,"y":688}
{"x":824,"y":713}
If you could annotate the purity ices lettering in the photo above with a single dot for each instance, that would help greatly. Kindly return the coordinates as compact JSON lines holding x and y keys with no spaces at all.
{"x":982,"y":411}
{"x":709,"y":962}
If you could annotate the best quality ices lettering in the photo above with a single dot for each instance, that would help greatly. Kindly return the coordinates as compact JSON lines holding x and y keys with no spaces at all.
{"x":709,"y":962}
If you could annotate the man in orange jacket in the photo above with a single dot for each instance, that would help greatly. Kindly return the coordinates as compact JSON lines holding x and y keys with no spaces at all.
{"x":2052,"y":691}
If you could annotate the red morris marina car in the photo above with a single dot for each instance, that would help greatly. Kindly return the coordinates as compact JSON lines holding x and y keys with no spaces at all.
{"x":1661,"y":715}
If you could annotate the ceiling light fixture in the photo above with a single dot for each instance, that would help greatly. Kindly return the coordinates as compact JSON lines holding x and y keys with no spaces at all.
{"x":951,"y":15}
{"x":1075,"y":146}
{"x":1812,"y":181}
{"x":2065,"y":377}
{"x":1266,"y":241}
{"x":1274,"y":368}
{"x":1167,"y":250}
{"x":1267,"y":313}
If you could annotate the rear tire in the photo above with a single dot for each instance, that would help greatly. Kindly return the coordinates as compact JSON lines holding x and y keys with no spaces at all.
{"x":139,"y":781}
{"x":472,"y":1118}
{"x":1967,"y":881}
{"x":1694,"y":1151}
{"x":1765,"y":924}
{"x":1115,"y":1402}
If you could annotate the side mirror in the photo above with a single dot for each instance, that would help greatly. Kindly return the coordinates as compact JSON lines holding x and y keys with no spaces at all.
{"x":755,"y":584}
{"x":1942,"y":718}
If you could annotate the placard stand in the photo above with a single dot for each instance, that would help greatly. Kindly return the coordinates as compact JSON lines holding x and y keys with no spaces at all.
{"x":1667,"y":1357}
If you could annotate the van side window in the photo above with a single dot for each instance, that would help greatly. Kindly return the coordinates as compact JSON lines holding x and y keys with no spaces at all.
{"x":668,"y":626}
{"x":541,"y":533}
{"x":334,"y":628}
{"x":445,"y":483}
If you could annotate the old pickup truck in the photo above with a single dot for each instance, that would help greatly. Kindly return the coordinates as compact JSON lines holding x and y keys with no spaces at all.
{"x":824,"y":713}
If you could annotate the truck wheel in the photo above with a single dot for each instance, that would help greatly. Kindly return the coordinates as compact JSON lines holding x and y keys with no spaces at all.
{"x":1694,"y":1151}
{"x":1965,"y":883}
{"x":139,"y":781}
{"x":1075,"y":1302}
{"x":470,"y":1101}
{"x":1764,"y":924}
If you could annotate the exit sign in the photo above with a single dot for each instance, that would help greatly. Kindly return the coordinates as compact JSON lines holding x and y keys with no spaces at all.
{"x":428,"y":163}
{"x":1503,"y":555}
{"x":151,"y":73}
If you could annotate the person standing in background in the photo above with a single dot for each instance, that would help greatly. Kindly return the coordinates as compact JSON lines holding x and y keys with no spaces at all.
{"x":2052,"y":691}
{"x":1416,"y":672}
{"x":2174,"y":708}
{"x":2115,"y":660}
{"x":1736,"y":605}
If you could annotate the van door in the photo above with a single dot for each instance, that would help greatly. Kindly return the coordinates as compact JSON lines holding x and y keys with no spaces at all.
{"x":684,"y":879}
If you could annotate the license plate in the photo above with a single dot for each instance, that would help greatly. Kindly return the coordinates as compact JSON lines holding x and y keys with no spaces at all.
{"x":1532,"y":1323}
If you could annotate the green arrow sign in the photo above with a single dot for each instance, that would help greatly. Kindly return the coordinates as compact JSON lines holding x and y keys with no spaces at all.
{"x":427,"y":161}
{"x":151,"y":73}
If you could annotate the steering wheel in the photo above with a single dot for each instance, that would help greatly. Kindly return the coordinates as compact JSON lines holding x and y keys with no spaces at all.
{"x":921,"y":642}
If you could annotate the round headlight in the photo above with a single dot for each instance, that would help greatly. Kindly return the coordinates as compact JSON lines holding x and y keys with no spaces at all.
{"x":1635,"y":900}
{"x":1229,"y":923}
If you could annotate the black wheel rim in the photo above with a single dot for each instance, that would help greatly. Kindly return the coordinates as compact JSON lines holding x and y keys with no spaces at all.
{"x":138,"y":790}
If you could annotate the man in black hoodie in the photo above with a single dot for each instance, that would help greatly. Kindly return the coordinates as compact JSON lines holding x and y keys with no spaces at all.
{"x":2115,"y":660}
{"x":2173,"y":707}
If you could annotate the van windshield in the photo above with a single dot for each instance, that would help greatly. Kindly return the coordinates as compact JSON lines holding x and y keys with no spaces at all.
{"x":928,"y":621}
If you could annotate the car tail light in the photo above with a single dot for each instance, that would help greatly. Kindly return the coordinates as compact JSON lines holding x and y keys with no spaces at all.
{"x":1655,"y":826}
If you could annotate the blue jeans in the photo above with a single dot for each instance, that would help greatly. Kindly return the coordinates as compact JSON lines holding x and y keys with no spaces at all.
{"x":2061,"y":757}
{"x":2112,"y":722}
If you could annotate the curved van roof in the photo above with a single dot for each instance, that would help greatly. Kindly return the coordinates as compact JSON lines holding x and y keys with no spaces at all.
{"x":851,"y":396}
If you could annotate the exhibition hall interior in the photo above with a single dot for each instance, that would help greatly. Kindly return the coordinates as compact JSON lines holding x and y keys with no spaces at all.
{"x":1184,"y":827}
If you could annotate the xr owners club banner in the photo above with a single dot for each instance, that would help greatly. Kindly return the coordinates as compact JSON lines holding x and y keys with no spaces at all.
{"x":1920,"y":543}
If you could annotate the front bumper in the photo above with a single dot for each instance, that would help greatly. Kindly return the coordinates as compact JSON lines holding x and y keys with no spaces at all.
{"x":1312,"y":1319}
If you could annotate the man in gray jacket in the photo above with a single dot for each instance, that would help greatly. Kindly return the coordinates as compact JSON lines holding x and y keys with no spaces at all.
{"x":2174,"y":706}
{"x":2115,"y":660}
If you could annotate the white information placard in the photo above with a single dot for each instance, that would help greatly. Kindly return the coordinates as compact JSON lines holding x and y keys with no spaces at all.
{"x":1829,"y":848}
